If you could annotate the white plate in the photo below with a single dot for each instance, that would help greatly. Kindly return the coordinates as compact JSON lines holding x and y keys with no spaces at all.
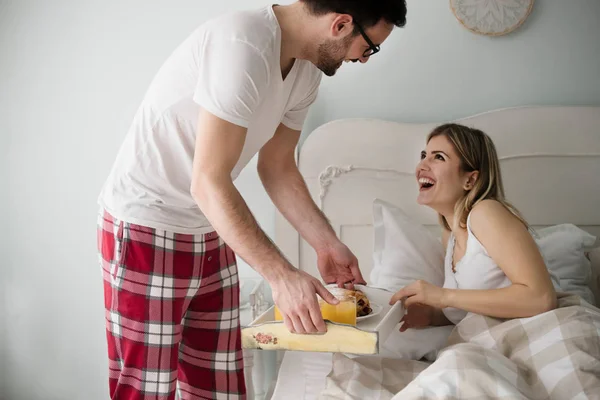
{"x":376,"y":310}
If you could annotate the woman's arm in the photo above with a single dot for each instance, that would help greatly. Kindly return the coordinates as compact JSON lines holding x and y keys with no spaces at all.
{"x":512,"y":247}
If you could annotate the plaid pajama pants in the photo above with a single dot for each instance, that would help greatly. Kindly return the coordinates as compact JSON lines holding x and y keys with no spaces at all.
{"x":172,"y":317}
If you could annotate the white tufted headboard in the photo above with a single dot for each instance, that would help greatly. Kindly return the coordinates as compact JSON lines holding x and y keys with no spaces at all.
{"x":550,"y":159}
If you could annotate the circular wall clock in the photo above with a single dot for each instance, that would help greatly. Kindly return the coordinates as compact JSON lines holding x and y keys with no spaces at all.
{"x":491,"y":17}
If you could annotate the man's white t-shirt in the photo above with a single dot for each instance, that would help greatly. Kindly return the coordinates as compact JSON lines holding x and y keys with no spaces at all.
{"x":230,"y":66}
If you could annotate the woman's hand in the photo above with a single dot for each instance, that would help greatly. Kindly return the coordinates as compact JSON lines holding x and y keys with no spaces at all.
{"x":417,"y":316}
{"x":421,"y":292}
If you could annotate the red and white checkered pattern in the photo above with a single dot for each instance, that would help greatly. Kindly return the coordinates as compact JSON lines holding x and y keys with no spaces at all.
{"x":172,"y":314}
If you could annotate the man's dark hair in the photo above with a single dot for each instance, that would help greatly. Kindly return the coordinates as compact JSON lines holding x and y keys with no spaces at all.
{"x":366,"y":12}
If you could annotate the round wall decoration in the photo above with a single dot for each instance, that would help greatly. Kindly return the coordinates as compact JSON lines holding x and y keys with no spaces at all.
{"x":491,"y":17}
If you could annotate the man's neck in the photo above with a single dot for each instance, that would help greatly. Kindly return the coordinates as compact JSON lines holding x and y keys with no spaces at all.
{"x":295,"y":34}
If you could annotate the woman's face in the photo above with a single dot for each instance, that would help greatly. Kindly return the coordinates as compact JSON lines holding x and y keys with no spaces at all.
{"x":440,"y":177}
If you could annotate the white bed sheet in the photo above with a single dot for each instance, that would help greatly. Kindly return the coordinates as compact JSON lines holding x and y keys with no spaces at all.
{"x":302,"y":375}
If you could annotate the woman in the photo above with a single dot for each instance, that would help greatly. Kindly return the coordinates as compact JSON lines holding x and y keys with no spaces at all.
{"x":493,"y":266}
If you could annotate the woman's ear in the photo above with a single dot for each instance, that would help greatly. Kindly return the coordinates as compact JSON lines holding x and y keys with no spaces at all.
{"x":471,"y":179}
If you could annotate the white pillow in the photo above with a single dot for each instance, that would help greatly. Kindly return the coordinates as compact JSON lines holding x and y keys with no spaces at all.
{"x":403,"y":250}
{"x":563,"y":248}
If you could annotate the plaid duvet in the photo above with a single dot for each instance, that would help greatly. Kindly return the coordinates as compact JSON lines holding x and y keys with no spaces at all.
{"x":172,"y":314}
{"x":555,"y":355}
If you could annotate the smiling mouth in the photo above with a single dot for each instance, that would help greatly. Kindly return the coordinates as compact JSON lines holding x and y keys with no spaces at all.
{"x":425,"y":184}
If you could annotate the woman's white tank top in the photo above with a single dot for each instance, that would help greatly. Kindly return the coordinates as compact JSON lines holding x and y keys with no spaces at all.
{"x":475,"y":270}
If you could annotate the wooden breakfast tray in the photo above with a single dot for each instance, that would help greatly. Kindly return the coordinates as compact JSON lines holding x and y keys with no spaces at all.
{"x":366,"y":337}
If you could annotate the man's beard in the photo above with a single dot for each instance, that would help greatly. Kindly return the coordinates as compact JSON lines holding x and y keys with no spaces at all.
{"x":328,"y":60}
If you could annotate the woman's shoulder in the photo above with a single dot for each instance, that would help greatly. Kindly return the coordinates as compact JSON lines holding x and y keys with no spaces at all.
{"x":490,"y":217}
{"x":488,"y":210}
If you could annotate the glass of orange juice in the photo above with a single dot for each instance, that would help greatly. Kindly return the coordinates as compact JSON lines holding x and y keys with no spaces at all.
{"x":278,"y":316}
{"x":344,"y":312}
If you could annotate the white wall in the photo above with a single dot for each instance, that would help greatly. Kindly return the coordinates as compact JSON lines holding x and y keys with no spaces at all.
{"x":72,"y":74}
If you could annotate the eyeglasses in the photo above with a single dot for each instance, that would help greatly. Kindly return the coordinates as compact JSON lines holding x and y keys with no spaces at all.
{"x":372,"y":47}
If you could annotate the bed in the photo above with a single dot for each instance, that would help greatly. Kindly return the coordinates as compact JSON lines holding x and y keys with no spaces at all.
{"x":550,"y":158}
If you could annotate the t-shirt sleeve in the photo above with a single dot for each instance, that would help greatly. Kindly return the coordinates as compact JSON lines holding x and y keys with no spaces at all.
{"x":233,"y":75}
{"x":294,"y":118}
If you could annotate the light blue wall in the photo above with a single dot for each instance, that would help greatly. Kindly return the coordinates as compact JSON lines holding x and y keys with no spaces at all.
{"x":434,"y":69}
{"x":72,"y":74}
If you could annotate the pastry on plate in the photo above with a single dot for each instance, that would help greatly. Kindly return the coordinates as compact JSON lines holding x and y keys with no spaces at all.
{"x":363,"y":306}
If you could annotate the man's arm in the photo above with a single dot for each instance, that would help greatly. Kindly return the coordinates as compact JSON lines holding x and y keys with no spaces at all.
{"x":286,"y":187}
{"x":218,"y":147}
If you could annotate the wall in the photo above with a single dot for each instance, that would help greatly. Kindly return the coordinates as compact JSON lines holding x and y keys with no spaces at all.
{"x":437,"y":70}
{"x":72,"y":75}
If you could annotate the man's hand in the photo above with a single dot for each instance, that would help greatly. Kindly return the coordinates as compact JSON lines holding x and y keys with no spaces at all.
{"x":285,"y":185}
{"x":338,"y":265}
{"x":294,"y":294}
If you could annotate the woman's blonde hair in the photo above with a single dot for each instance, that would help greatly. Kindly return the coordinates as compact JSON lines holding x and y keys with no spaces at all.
{"x":477,"y":152}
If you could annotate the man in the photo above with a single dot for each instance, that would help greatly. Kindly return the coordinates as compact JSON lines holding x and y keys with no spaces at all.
{"x":172,"y":218}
